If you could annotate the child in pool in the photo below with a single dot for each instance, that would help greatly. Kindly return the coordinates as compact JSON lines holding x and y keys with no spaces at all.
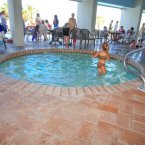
{"x":103,"y":56}
{"x":133,"y":44}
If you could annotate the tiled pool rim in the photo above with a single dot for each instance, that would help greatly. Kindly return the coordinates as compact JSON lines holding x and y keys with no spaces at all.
{"x":57,"y":50}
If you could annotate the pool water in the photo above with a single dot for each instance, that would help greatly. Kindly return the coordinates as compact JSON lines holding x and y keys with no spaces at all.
{"x":64,"y":69}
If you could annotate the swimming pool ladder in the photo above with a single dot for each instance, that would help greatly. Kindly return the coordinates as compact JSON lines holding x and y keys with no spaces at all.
{"x":142,"y":87}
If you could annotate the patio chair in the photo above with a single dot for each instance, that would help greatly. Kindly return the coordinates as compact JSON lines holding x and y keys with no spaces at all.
{"x":100,"y":36}
{"x":128,"y":38}
{"x":75,"y":34}
{"x":43,"y":30}
{"x":29,"y":31}
{"x":87,"y":36}
{"x":58,"y":34}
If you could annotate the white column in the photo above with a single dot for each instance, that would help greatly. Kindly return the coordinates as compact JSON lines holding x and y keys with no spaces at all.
{"x":131,"y":17}
{"x":86,"y":14}
{"x":16,"y":22}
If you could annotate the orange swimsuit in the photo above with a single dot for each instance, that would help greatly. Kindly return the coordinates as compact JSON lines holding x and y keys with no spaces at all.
{"x":100,"y":65}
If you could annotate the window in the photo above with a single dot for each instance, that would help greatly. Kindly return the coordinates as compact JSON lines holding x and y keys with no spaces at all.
{"x":105,"y":15}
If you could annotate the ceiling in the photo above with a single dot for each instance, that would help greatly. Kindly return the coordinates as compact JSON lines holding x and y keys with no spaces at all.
{"x":77,"y":0}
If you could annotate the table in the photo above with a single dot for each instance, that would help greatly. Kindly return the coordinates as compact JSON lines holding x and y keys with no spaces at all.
{"x":52,"y":31}
{"x":114,"y":36}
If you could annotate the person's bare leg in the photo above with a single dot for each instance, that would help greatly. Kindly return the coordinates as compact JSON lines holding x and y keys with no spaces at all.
{"x":99,"y":71}
{"x":103,"y":69}
{"x":67,"y":41}
{"x":74,"y":42}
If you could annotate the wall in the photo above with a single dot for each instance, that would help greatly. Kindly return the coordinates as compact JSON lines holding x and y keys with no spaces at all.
{"x":131,"y":17}
{"x":86,"y":12}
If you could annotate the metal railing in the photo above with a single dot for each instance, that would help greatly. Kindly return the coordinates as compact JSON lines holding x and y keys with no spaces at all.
{"x":142,"y":87}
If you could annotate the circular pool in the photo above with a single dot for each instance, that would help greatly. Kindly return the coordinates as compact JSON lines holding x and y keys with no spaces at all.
{"x":64,"y":69}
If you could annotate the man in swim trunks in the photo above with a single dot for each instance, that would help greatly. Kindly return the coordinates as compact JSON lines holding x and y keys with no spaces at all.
{"x":103,"y":56}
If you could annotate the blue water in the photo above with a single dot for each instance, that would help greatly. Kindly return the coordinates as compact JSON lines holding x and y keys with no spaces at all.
{"x":64,"y":69}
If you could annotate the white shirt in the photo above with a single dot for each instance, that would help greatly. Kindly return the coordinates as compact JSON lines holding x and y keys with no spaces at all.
{"x":116,"y":27}
{"x":38,"y":20}
{"x":43,"y":29}
{"x":3,"y":20}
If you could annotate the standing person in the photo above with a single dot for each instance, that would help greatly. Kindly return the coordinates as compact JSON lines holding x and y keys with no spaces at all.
{"x":43,"y":30}
{"x":142,"y":31}
{"x":122,"y":33}
{"x":72,"y":24}
{"x":38,"y":20}
{"x":66,"y":31}
{"x":55,"y":22}
{"x":3,"y":21}
{"x":116,"y":26}
{"x":48,"y":24}
{"x":104,"y":33}
{"x":35,"y":32}
{"x":130,"y":34}
{"x":114,"y":35}
{"x":103,"y":56}
{"x":110,"y":25}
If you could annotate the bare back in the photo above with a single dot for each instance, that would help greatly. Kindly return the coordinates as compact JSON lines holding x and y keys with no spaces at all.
{"x":72,"y":23}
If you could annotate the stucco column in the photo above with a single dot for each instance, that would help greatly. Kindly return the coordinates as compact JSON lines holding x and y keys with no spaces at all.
{"x":16,"y":22}
{"x":86,"y":14}
{"x":131,"y":17}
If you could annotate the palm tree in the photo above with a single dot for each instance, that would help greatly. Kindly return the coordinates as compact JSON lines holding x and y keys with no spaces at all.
{"x":25,"y":14}
{"x":99,"y":21}
{"x":5,"y":8}
{"x":31,"y":12}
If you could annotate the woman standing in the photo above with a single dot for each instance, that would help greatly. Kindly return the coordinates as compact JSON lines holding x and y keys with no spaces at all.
{"x":55,"y":22}
{"x":72,"y":24}
{"x":103,"y":56}
{"x":4,"y":21}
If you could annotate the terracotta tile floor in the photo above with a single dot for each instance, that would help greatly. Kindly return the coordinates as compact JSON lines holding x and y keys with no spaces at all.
{"x":31,"y":114}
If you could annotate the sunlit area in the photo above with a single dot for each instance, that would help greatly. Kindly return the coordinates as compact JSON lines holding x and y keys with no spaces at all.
{"x":105,"y":15}
{"x":142,"y":19}
{"x":49,"y":8}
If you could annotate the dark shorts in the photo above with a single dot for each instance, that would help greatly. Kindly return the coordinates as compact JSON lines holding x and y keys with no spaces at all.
{"x":66,"y":31}
{"x":1,"y":28}
{"x":100,"y":65}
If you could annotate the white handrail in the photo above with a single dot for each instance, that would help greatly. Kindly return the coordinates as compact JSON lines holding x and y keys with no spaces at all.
{"x":142,"y":87}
